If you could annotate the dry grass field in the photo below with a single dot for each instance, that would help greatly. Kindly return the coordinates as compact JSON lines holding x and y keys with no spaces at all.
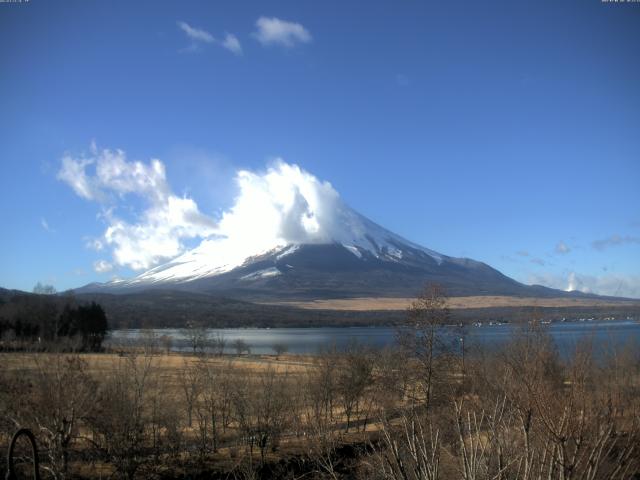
{"x":371,"y":303}
{"x":357,"y":413}
{"x":167,"y":365}
{"x":166,"y":381}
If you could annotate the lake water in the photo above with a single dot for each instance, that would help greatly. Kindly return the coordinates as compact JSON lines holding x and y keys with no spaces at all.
{"x":604,"y":334}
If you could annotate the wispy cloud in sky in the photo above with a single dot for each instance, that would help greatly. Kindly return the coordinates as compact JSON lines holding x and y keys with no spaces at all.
{"x":562,"y":248}
{"x":615,"y":240}
{"x":274,"y":31}
{"x":102,"y":266}
{"x":232,"y":44}
{"x":196,"y":34}
{"x":158,"y":231}
{"x":617,"y":285}
{"x":45,"y":225}
{"x":199,"y":37}
{"x":72,"y":172}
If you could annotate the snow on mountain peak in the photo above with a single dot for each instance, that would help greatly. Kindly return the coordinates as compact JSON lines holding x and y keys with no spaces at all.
{"x":281,"y":207}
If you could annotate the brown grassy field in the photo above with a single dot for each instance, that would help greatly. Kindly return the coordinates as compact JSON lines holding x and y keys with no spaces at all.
{"x":372,"y":303}
{"x":168,"y":369}
{"x":167,"y":364}
{"x":147,"y":414}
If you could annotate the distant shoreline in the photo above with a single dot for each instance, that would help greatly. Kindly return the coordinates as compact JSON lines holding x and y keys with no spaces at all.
{"x":363,"y":304}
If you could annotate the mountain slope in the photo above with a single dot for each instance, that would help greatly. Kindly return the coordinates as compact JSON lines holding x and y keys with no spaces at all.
{"x":290,"y":236}
{"x":360,"y":259}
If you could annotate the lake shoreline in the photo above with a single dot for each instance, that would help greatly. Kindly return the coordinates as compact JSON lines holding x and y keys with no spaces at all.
{"x":310,"y":340}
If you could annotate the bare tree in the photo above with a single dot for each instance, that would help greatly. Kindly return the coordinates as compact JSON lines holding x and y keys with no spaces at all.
{"x":551,"y":419}
{"x":190,"y":387}
{"x":197,"y":336}
{"x":225,"y":388}
{"x":165,"y":420}
{"x":392,"y":377}
{"x":218,"y":344}
{"x":53,"y":402}
{"x":279,"y":349}
{"x":319,"y":393}
{"x":240,"y":346}
{"x":353,"y":378}
{"x":421,"y":339}
{"x":322,"y":445}
{"x":121,"y":417}
{"x":321,"y":387}
{"x":211,"y":402}
{"x":149,"y":341}
{"x":409,"y":450}
{"x":44,"y":289}
{"x":262,"y":410}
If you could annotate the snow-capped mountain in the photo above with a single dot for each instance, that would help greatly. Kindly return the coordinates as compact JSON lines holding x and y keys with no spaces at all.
{"x":289,"y":235}
{"x":358,"y":235}
{"x":362,"y":259}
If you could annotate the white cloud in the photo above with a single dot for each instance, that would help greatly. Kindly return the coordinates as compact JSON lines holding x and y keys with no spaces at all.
{"x":280,"y":206}
{"x":196,"y":34}
{"x":158,"y":231}
{"x":612,"y":284}
{"x":562,"y":248}
{"x":45,"y":225}
{"x":274,"y":31}
{"x":613,"y":241}
{"x":72,"y":172}
{"x":617,"y":285}
{"x":285,"y":204}
{"x":113,"y":174}
{"x":199,"y":37}
{"x":94,"y":244}
{"x":102,"y":266}
{"x":232,"y":44}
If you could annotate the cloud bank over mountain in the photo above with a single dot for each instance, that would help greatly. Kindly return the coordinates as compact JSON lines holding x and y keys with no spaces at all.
{"x":279,"y":206}
{"x":148,"y":224}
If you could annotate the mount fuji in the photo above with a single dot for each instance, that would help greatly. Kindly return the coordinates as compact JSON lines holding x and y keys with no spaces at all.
{"x":290,"y":236}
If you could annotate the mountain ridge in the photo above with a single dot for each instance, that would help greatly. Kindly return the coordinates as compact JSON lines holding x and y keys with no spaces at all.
{"x":317,"y":247}
{"x":322,"y":271}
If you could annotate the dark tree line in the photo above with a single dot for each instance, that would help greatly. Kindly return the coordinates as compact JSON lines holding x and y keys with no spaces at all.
{"x":46,"y":318}
{"x":89,"y":322}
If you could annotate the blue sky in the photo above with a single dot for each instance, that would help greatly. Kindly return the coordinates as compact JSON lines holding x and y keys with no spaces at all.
{"x":507,"y":132}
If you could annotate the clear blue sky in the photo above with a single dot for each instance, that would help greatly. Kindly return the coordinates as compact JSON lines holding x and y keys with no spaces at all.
{"x":504,"y":131}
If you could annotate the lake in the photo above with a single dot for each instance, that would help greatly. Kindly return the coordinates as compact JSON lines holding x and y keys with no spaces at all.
{"x":604,"y":334}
